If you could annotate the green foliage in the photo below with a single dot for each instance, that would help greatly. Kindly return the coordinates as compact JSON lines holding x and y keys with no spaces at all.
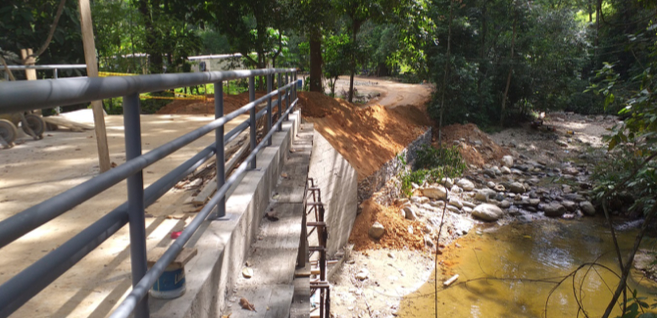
{"x":336,"y":56}
{"x":432,"y":165}
{"x":26,"y":23}
{"x":547,"y":64}
{"x":636,"y":307}
{"x":630,"y":169}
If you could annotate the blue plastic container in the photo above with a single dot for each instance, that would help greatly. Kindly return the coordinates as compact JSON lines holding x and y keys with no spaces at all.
{"x":171,"y":284}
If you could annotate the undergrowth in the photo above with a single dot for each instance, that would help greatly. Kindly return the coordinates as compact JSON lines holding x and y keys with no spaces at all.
{"x":432,"y":165}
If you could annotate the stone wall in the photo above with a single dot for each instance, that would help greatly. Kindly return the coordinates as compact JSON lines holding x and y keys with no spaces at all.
{"x":377,"y":181}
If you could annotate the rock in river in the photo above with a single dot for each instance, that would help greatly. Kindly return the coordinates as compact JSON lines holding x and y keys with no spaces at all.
{"x":587,"y":207}
{"x":554,"y":210}
{"x":487,"y":212}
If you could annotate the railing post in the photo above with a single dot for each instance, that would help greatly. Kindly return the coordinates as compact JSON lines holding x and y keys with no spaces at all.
{"x":270,"y":77}
{"x":137,"y":224}
{"x":287,"y":95}
{"x":219,"y":140}
{"x":252,"y":119}
{"x":280,"y":105}
{"x":295,"y":86}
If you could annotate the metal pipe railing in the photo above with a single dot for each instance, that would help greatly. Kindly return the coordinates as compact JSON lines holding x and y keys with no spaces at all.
{"x":46,"y":93}
{"x":141,"y":289}
{"x":26,"y":284}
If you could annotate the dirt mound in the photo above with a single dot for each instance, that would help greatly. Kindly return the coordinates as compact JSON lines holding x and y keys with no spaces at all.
{"x":231,"y":103}
{"x":397,"y":234}
{"x":367,"y":137}
{"x":476,"y":147}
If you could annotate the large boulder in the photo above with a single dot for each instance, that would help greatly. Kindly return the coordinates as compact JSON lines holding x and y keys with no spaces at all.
{"x":377,"y":230}
{"x":466,"y":184}
{"x":435,"y":193}
{"x":487,"y":212}
{"x":554,"y":210}
{"x":507,"y":161}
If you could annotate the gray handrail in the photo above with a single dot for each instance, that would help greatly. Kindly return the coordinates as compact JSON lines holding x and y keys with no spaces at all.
{"x":44,"y":67}
{"x":30,"y":95}
{"x":20,"y":96}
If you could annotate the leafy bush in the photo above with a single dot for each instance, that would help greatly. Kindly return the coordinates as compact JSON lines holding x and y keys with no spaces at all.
{"x":431,"y":166}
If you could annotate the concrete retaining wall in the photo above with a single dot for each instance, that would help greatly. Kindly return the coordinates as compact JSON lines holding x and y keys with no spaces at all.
{"x":376,"y":181}
{"x":223,"y":244}
{"x":338,"y":182}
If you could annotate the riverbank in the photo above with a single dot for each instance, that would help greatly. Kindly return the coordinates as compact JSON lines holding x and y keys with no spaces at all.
{"x":524,"y":177}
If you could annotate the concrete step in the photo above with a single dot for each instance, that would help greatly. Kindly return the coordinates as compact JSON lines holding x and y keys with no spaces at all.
{"x":273,"y":256}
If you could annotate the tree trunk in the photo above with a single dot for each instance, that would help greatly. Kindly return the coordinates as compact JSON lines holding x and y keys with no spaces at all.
{"x":508,"y":79}
{"x":315,"y":61}
{"x":447,"y":63}
{"x":354,"y":31}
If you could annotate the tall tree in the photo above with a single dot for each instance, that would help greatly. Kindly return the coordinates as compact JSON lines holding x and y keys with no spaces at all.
{"x":313,"y":18}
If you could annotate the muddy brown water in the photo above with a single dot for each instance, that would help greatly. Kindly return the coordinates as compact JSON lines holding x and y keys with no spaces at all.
{"x":523,"y":261}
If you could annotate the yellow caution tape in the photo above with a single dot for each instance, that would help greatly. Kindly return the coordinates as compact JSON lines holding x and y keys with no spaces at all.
{"x":107,"y":74}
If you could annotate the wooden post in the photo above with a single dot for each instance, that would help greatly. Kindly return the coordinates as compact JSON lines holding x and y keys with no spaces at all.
{"x":30,"y":74}
{"x":92,"y":71}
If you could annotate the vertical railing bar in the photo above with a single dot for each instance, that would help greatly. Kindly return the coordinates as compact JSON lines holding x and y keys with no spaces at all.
{"x":269,"y":121}
{"x":280,"y":105}
{"x":131,"y":111}
{"x":219,"y":137}
{"x":287,"y":95}
{"x":252,"y":119}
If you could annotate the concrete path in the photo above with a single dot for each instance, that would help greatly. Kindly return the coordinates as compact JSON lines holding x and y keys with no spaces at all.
{"x":36,"y":170}
{"x":273,"y":256}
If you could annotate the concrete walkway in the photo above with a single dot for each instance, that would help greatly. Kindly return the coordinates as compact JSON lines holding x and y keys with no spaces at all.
{"x":273,"y":256}
{"x":36,"y":170}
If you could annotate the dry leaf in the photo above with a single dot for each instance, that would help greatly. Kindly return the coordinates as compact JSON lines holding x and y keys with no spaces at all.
{"x":247,"y":272}
{"x":271,"y":216}
{"x":247,"y":305}
{"x":284,"y":175}
{"x":227,"y":316}
{"x":292,"y":150}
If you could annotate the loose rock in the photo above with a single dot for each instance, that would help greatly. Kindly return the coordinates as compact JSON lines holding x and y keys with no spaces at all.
{"x":466,"y":184}
{"x":377,"y":230}
{"x":516,"y":187}
{"x":409,"y":214}
{"x":435,"y":193}
{"x":554,"y":210}
{"x":487,"y":212}
{"x":587,"y":207}
{"x":507,"y":161}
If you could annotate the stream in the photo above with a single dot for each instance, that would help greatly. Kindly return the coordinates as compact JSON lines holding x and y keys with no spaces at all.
{"x":523,"y":262}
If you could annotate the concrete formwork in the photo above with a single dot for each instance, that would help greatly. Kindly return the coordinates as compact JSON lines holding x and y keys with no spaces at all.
{"x":338,"y":182}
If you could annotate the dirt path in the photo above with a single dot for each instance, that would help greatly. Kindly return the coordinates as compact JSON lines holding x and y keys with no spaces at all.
{"x":385,"y":92}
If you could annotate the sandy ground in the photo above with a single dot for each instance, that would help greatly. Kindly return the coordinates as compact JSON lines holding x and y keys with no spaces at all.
{"x":385,"y":92}
{"x":33,"y":171}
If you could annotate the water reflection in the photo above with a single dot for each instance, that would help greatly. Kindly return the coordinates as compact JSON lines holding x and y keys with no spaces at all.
{"x":510,"y":271}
